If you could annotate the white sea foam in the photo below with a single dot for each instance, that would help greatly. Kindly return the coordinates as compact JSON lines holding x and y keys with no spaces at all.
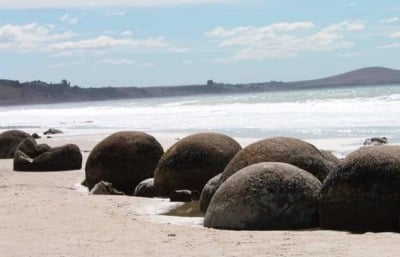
{"x":362,"y":111}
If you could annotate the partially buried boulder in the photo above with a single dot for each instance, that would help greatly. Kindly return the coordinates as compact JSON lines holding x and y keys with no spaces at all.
{"x":192,"y":161}
{"x":208,"y":191}
{"x":123,"y":159}
{"x":265,"y":196}
{"x":104,"y":188}
{"x":145,"y":188}
{"x":9,"y":140}
{"x":32,"y":157}
{"x":363,"y":192}
{"x":281,"y":149}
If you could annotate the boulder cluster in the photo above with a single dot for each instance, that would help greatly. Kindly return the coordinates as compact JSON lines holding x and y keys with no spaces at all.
{"x":30,"y":156}
{"x":275,"y":183}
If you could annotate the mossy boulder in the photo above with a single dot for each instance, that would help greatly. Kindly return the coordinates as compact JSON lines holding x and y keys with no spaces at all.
{"x":192,"y":161}
{"x":265,"y":196}
{"x":123,"y":159}
{"x":363,"y":192}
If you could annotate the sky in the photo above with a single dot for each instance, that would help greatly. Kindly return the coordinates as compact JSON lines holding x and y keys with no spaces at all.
{"x":179,"y":42}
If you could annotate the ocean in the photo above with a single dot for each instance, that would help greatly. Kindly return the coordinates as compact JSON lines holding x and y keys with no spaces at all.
{"x":356,"y":112}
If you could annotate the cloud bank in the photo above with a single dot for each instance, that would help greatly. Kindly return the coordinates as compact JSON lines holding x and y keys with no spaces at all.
{"x":282,"y":40}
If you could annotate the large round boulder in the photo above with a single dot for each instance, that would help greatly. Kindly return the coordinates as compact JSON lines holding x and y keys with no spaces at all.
{"x":363,"y":192}
{"x":267,"y":195}
{"x":192,"y":161}
{"x":281,"y":149}
{"x":32,"y":157}
{"x":9,"y":140}
{"x":123,"y":159}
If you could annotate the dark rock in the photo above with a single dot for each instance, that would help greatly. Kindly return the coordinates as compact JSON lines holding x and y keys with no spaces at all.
{"x":376,"y":141}
{"x":192,"y":161}
{"x":123,"y":159}
{"x":265,"y":195}
{"x":104,"y":188}
{"x":195,"y":195}
{"x":32,"y":157}
{"x":9,"y":140}
{"x":145,"y":188}
{"x":36,"y":136}
{"x":52,"y":131}
{"x":181,"y":196}
{"x":208,"y":191}
{"x":363,"y":192}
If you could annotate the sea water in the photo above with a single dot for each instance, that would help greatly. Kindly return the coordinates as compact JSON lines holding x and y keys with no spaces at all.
{"x":364,"y":111}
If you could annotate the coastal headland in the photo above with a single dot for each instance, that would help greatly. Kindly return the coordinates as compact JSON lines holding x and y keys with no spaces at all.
{"x":37,"y":92}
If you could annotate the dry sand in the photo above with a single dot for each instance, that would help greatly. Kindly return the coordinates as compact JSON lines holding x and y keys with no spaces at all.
{"x":48,"y":214}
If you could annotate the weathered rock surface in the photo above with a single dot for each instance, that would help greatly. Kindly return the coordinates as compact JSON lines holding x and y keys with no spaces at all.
{"x":104,"y":188}
{"x":281,"y":149}
{"x":123,"y":159}
{"x":192,"y":161}
{"x":363,"y":192}
{"x":375,"y":141}
{"x":208,"y":191}
{"x":52,"y":131}
{"x":145,"y":188}
{"x":9,"y":140}
{"x":265,"y":196}
{"x":32,"y":157}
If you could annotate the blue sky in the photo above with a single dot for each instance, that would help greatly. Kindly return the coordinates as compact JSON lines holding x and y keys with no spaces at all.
{"x":177,"y":42}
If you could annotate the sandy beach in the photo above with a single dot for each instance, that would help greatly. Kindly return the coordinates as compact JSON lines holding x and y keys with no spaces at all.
{"x":50,"y":214}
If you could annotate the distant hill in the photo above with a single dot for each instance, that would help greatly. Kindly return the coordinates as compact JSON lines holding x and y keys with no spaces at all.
{"x":38,"y":92}
{"x":365,"y":76}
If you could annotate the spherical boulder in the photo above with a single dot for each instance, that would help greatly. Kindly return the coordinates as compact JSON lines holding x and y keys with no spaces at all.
{"x":208,"y":191}
{"x":265,"y":196}
{"x":192,"y":161}
{"x":281,"y":149}
{"x":32,"y":157}
{"x":9,"y":140}
{"x":123,"y":159}
{"x":363,"y":192}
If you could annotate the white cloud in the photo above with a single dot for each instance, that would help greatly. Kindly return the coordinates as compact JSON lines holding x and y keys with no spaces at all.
{"x":390,"y":20}
{"x":124,"y":61}
{"x":29,"y":37}
{"x":395,"y":34}
{"x":100,"y":3}
{"x":281,"y":40}
{"x":113,"y":61}
{"x":177,"y":49}
{"x":126,"y":33}
{"x":69,"y":20}
{"x":66,"y":64}
{"x":187,"y":62}
{"x":105,"y":43}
